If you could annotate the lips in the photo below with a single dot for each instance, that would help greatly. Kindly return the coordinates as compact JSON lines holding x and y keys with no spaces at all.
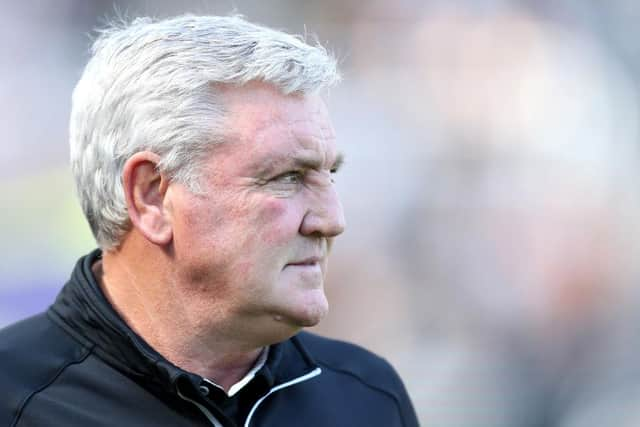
{"x":311,"y":261}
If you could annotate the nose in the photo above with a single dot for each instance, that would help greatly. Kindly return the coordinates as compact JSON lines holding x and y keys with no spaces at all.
{"x":325,"y":216}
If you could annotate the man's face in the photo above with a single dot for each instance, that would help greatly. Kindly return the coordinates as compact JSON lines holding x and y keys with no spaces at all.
{"x":255,"y":244}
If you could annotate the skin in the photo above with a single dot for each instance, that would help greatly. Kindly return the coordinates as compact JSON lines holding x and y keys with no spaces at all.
{"x":209,"y":279}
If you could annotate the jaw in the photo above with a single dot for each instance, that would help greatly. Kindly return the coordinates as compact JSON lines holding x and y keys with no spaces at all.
{"x":307,"y":309}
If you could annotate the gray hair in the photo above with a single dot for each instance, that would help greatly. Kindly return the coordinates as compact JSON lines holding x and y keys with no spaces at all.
{"x":151,"y":85}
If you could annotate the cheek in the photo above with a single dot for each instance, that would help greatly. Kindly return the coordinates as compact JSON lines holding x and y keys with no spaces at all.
{"x":278,"y":221}
{"x":207,"y":238}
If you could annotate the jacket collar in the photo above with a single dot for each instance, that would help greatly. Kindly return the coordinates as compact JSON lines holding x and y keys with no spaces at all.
{"x":82,"y":309}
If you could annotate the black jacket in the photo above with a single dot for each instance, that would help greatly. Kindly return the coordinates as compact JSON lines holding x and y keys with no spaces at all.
{"x":79,"y":364}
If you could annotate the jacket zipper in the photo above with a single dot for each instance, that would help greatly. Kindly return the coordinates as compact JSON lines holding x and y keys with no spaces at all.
{"x":212,"y":419}
{"x":306,"y":377}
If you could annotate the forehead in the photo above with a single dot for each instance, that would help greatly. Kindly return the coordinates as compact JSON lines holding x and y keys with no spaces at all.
{"x":262,"y":122}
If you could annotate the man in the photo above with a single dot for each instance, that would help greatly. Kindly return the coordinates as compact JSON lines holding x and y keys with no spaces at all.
{"x":203,"y":156}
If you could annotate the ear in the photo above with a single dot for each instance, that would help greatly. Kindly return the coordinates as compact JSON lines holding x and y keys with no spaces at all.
{"x":145,"y":189}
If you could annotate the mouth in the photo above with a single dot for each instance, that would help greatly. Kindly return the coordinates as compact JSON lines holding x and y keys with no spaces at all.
{"x":307,"y":262}
{"x":310,"y":262}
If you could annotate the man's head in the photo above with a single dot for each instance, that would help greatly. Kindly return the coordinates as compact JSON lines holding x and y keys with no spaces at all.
{"x":156,"y":86}
{"x":203,"y":154}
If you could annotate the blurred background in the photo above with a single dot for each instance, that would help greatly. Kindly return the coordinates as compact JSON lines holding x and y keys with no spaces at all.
{"x":491,"y":191}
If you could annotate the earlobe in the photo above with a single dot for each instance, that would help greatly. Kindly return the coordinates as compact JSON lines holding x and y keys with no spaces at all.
{"x":145,"y":189}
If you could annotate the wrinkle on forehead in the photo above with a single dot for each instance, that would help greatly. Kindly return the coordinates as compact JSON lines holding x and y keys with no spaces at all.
{"x":305,"y":143}
{"x":309,"y":129}
{"x":267,"y":129}
{"x":316,"y":152}
{"x":256,"y":106}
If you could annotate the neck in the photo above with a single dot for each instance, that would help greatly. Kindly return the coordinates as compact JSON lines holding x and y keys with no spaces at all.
{"x":149,"y":301}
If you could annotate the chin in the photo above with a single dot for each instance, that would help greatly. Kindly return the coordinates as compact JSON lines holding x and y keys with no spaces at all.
{"x":309,"y":321}
{"x":305,"y":314}
{"x":287,"y":323}
{"x":312,"y":314}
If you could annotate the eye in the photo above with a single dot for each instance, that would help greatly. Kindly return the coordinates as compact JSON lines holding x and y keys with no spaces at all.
{"x":292,"y":177}
{"x":333,"y":172}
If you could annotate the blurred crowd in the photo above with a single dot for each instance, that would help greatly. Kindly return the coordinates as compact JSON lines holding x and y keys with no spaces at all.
{"x":490,"y":186}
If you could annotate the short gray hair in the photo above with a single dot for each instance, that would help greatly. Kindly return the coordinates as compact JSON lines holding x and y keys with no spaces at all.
{"x":151,"y":85}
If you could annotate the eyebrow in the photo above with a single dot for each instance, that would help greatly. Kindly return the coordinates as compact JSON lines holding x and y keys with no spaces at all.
{"x":313,"y":162}
{"x":339,"y":161}
{"x":301,"y":161}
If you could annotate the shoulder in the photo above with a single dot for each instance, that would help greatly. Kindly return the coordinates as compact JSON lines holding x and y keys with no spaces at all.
{"x":35,"y":341}
{"x":354,"y":361}
{"x":352,"y":372}
{"x":33,"y":353}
